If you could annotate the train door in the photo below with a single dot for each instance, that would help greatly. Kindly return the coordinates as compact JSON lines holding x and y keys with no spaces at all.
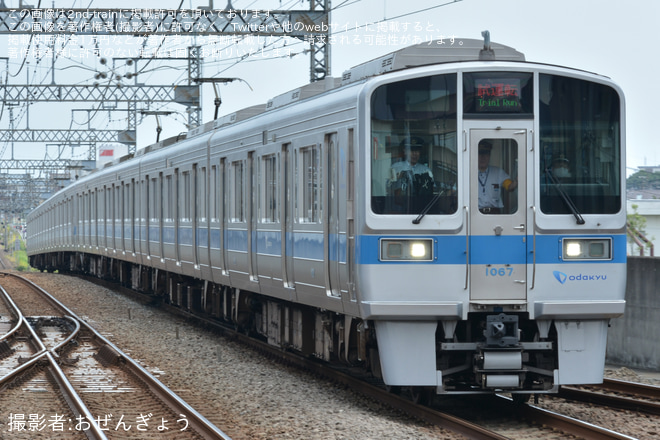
{"x":252,"y":217}
{"x":287,"y":218}
{"x":161,"y":203}
{"x":498,"y":214}
{"x":196,"y":214}
{"x":331,"y":228}
{"x":176,"y":200}
{"x":222,"y":215}
{"x":148,"y":220}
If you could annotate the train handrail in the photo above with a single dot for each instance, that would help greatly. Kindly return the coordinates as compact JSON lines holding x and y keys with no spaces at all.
{"x":533,"y":208}
{"x":467,"y":245}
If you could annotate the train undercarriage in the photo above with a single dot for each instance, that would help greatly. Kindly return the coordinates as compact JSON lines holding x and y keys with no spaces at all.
{"x":489,"y":352}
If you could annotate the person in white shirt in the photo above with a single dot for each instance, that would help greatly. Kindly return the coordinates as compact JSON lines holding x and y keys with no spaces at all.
{"x":409,"y":177}
{"x":492,"y":181}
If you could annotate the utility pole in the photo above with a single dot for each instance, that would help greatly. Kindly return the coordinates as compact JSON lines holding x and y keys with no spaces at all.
{"x":194,"y":72}
{"x":320,"y":45}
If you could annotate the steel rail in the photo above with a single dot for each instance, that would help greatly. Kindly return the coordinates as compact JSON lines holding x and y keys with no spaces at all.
{"x":535,"y":414}
{"x":73,"y":334}
{"x":70,"y":395}
{"x":440,"y":419}
{"x":567,"y":424}
{"x":72,"y":398}
{"x":94,"y":432}
{"x":429,"y":415}
{"x":616,"y":401}
{"x":16,"y":311}
{"x":200,"y":424}
{"x":640,"y":389}
{"x":21,"y":368}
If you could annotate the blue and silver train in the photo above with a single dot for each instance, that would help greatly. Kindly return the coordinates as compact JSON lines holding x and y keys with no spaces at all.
{"x":450,"y":217}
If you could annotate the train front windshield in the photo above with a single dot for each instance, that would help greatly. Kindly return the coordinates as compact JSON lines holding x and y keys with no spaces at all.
{"x":414,"y":145}
{"x":414,"y":158}
{"x":580,"y":136}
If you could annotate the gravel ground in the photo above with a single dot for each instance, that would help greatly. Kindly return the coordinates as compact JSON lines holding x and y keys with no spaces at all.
{"x":248,"y":396}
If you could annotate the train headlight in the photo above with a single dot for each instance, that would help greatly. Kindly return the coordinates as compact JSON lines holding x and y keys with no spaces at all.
{"x":573,"y":249}
{"x":406,"y":250}
{"x":587,"y":248}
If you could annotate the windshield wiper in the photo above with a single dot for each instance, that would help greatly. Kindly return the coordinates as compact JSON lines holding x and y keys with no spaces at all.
{"x":565,"y":197}
{"x":427,"y":208}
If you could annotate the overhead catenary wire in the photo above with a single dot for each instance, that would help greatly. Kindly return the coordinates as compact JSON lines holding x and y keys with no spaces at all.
{"x":270,"y":48}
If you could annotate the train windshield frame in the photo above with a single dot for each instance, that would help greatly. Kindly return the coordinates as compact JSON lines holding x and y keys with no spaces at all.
{"x":413,"y":135}
{"x":414,"y":155}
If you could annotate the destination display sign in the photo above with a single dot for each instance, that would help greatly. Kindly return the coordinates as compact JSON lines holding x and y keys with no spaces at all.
{"x":498,"y":93}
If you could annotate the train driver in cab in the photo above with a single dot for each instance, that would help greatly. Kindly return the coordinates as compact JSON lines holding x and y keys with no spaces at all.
{"x":560,"y":167}
{"x":408,"y":176}
{"x":492,"y":181}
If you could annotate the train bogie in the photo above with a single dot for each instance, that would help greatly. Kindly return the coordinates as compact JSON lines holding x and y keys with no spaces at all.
{"x":443,"y":220}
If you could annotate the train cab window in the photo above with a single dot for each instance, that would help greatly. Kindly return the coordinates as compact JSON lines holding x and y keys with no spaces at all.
{"x":496,"y":181}
{"x":580,"y":166}
{"x":413,"y":151}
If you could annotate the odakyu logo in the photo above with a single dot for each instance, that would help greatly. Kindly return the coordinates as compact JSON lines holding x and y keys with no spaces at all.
{"x":562,"y":277}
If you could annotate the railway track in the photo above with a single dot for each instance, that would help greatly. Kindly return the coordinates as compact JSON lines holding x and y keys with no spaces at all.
{"x":618,"y":394}
{"x":514,"y":421}
{"x":96,"y":390}
{"x":505,"y":420}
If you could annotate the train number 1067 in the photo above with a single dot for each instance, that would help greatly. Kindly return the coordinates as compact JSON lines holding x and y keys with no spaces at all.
{"x":499,"y":271}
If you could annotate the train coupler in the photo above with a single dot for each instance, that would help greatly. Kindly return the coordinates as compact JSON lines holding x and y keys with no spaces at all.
{"x":500,"y":369}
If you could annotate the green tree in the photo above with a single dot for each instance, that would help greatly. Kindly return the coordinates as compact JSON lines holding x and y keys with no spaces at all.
{"x":643,"y":180}
{"x":637,"y":228}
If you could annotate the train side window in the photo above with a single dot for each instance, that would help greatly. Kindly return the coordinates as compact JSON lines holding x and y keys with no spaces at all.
{"x":167,"y":200}
{"x":118,"y":215}
{"x":109,"y":221}
{"x":132,"y":214}
{"x":153,"y":200}
{"x":237,"y":192}
{"x":269,"y":188}
{"x":213,"y":191}
{"x":185,"y":198}
{"x":93,"y":215}
{"x":201,"y":205}
{"x":310,"y":182}
{"x":128,"y":231}
{"x":222,"y":198}
{"x":86,"y":216}
{"x":99,"y":214}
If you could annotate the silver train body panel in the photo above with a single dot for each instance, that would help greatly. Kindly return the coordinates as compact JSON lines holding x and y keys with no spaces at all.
{"x":291,"y":204}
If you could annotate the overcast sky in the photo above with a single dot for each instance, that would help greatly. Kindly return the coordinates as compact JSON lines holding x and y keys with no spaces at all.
{"x":612,"y":38}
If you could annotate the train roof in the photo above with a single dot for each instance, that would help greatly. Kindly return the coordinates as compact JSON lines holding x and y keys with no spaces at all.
{"x":435,"y":52}
{"x":422,"y":54}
